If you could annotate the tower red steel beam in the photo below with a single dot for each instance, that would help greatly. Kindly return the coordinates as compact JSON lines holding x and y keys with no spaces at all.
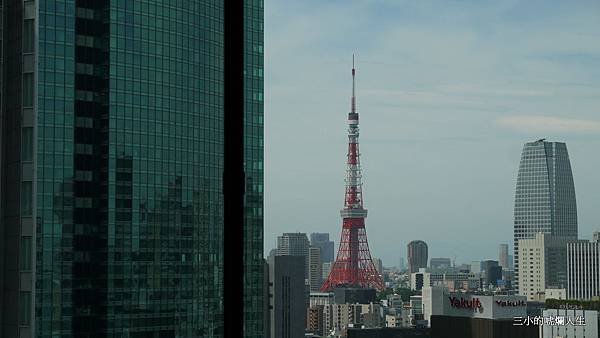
{"x":353,"y":266}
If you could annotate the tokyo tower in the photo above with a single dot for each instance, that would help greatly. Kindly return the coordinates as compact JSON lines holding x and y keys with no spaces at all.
{"x":353,"y":266}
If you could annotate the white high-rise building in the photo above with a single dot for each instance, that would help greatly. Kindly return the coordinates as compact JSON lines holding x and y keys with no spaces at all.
{"x":543,"y":261}
{"x":583,"y":269}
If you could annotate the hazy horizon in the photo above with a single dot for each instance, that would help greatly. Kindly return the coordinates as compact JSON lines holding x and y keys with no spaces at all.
{"x":448,"y":93}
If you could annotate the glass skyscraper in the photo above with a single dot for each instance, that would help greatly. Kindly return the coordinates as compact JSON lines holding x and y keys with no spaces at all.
{"x":545,"y":194}
{"x":112,"y":168}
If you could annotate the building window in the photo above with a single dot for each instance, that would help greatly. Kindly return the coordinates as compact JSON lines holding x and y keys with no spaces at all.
{"x":84,"y":122}
{"x":83,"y":175}
{"x":28,"y":90}
{"x":27,"y":144}
{"x":25,"y":308}
{"x":25,"y":259}
{"x":28,"y":36}
{"x":26,"y":198}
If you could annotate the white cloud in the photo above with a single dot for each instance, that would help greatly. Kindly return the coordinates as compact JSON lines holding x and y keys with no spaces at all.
{"x":548,"y":124}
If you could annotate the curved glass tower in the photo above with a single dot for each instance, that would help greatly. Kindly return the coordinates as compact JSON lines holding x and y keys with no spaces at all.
{"x":545,"y":194}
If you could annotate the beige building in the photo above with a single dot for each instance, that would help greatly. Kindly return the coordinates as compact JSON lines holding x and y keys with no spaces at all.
{"x":542,"y":265}
{"x":339,"y":317}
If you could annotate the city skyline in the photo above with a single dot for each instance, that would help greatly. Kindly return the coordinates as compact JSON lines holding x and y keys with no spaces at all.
{"x":441,"y":136}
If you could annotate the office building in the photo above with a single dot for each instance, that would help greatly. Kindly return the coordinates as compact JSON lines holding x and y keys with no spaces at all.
{"x":476,"y":266}
{"x":338,"y":317}
{"x":492,"y":272}
{"x":559,"y":294}
{"x":440,"y":263}
{"x":112,"y":168}
{"x":578,"y":324}
{"x":378,"y":265}
{"x":294,"y":244}
{"x":545,"y":195}
{"x":417,"y":256}
{"x":583,"y":269}
{"x":503,"y":256}
{"x":321,"y":298}
{"x":543,"y":265}
{"x":315,"y":320}
{"x":288,"y":302}
{"x":493,"y":276}
{"x":354,"y":295}
{"x":322,"y":241}
{"x":315,"y":268}
{"x":472,"y":315}
{"x":402,"y":263}
{"x":438,"y":301}
{"x":326,"y":270}
{"x":452,"y":281}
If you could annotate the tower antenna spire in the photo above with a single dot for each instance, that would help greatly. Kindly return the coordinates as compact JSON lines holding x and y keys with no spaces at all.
{"x":353,"y":108}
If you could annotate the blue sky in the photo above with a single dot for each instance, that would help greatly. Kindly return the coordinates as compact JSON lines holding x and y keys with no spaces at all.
{"x":448,"y":93}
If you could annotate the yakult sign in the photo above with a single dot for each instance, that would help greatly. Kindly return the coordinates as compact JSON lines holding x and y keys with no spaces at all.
{"x":472,"y":304}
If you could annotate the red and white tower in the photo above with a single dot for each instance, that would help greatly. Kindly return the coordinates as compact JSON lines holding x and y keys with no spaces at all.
{"x":353,"y":266}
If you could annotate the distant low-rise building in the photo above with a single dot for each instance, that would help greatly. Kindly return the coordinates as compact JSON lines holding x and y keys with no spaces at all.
{"x":440,"y":263}
{"x":476,"y":266}
{"x":315,"y":320}
{"x":555,"y":294}
{"x":321,"y":298}
{"x":453,"y":281}
{"x":338,"y":317}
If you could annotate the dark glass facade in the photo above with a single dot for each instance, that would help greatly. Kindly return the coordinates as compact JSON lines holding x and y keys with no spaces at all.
{"x":254,"y":309}
{"x":116,"y":167}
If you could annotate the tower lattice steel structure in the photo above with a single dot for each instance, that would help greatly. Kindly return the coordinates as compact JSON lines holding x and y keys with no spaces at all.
{"x":353,"y":266}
